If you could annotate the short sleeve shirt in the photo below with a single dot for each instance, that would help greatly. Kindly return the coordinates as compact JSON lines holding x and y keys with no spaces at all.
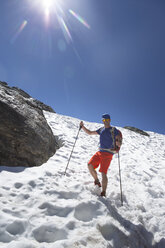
{"x":106,"y":140}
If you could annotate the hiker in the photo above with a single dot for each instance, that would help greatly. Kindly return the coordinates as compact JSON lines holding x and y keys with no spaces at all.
{"x":110,"y":142}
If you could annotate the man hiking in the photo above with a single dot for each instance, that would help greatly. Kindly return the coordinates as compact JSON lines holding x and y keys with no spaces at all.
{"x":110,"y":142}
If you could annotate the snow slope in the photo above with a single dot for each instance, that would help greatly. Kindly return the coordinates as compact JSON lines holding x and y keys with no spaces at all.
{"x":42,"y":208}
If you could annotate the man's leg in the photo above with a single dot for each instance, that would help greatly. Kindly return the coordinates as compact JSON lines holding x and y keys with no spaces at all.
{"x":105,"y":163}
{"x":92,"y":164}
{"x":92,"y":171}
{"x":104,"y":183}
{"x":94,"y":175}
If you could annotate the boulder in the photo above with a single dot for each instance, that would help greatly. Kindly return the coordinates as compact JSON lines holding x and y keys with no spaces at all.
{"x":137,"y":130}
{"x":25,"y":137}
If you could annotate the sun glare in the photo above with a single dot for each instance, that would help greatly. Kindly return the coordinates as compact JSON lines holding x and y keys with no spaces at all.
{"x":56,"y":12}
{"x":47,"y":5}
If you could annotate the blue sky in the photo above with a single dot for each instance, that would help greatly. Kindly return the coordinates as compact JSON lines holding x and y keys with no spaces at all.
{"x":112,"y":59}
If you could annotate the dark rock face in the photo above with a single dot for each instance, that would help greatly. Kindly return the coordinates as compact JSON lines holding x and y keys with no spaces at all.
{"x":25,"y":137}
{"x":137,"y":130}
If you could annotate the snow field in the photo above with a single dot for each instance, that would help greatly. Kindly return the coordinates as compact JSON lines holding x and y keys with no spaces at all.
{"x":42,"y":208}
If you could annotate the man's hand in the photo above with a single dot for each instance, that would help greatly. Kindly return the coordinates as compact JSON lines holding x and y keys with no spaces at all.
{"x":118,"y":141}
{"x":81,"y":124}
{"x":86,"y":130}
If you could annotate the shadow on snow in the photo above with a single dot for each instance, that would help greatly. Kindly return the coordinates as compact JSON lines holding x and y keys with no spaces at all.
{"x":137,"y":235}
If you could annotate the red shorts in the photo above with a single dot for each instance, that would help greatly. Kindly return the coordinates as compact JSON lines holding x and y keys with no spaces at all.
{"x":102,"y":158}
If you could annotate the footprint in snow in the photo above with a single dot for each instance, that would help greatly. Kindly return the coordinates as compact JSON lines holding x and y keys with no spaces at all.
{"x":16,"y":227}
{"x":109,"y":232}
{"x":49,"y":174}
{"x":49,"y":233}
{"x":87,"y":211}
{"x":52,"y":210}
{"x":67,"y":195}
{"x":18,"y":185}
{"x":6,"y":188}
{"x":32,"y":184}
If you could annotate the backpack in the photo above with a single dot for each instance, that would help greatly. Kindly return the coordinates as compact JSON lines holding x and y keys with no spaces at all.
{"x":118,"y":138}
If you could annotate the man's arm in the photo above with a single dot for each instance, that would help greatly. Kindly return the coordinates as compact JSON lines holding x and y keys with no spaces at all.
{"x":87,"y":130}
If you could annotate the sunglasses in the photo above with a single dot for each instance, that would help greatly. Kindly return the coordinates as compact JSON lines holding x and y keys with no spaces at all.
{"x":105,"y":120}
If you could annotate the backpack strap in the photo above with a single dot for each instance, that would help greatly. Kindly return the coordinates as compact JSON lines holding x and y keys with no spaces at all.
{"x":112,"y":150}
{"x":112,"y":131}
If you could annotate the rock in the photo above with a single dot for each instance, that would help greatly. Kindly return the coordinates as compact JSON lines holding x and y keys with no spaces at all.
{"x":137,"y":130}
{"x":25,"y":137}
{"x":31,"y":101}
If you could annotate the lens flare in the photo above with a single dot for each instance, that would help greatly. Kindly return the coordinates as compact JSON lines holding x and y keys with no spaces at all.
{"x":65,"y":29}
{"x":55,"y":15}
{"x":55,"y":7}
{"x":20,"y":29}
{"x":80,"y":19}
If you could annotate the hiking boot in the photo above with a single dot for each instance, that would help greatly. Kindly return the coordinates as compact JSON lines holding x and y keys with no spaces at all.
{"x":97,"y":182}
{"x":103,"y":193}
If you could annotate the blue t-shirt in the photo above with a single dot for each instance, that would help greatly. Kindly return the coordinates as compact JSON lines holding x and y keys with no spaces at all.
{"x":106,"y":140}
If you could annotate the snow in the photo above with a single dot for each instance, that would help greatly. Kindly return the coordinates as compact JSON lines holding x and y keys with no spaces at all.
{"x":40,"y":207}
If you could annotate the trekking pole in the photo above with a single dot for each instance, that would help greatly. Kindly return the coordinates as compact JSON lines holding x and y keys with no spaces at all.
{"x":72,"y":150}
{"x":120,"y":180}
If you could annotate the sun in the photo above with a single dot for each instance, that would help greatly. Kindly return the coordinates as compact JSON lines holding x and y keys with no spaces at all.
{"x":50,"y":6}
{"x":47,"y":5}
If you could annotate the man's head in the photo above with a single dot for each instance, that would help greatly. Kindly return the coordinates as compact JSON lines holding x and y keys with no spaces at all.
{"x":106,"y":120}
